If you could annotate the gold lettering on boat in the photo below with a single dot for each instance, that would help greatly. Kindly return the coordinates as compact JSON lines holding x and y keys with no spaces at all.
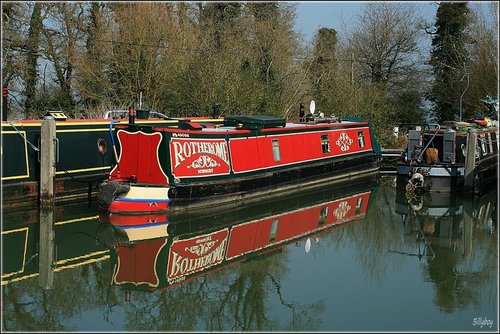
{"x":186,"y":149}
{"x":203,"y":255}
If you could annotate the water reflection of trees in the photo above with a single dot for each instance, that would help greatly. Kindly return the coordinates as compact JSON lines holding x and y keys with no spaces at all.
{"x":243,"y":297}
{"x":235,"y":298}
{"x":373,"y":235}
{"x":460,"y":280}
{"x":27,"y":307}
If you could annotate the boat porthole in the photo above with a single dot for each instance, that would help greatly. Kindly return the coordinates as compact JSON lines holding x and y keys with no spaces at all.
{"x":101,"y":146}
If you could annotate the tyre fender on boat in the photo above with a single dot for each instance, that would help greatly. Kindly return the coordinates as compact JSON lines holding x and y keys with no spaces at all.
{"x":418,"y":181}
{"x":108,"y":190}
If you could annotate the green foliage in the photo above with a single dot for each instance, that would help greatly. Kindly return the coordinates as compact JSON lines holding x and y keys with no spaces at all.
{"x":52,"y":100}
{"x":183,"y":57}
{"x":449,"y":58}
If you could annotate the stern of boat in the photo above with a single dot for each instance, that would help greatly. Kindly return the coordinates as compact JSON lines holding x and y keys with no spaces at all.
{"x":122,"y":197}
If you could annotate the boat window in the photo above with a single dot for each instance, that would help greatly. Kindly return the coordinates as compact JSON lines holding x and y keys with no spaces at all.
{"x":274,"y":230}
{"x":325,"y":144}
{"x":276,"y":150}
{"x":482,"y":139}
{"x":358,"y":206}
{"x":101,"y":146}
{"x":322,"y":216}
{"x":361,"y":139}
{"x":490,"y":142}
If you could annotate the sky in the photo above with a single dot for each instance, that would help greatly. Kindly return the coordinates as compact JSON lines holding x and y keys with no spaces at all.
{"x":312,"y":15}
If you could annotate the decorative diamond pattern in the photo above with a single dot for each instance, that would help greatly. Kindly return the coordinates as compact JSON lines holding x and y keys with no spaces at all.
{"x":344,"y":142}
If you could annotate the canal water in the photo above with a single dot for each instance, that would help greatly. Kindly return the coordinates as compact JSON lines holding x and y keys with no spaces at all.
{"x":355,"y":257}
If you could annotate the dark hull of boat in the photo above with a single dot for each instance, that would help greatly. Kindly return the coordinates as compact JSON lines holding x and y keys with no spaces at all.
{"x":450,"y":177}
{"x":84,"y":159}
{"x":193,"y":195}
{"x":80,"y":166}
{"x":443,"y":178}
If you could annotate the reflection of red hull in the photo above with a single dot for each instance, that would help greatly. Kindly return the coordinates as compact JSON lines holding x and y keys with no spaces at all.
{"x":128,"y":221}
{"x":178,"y":259}
{"x":120,"y":206}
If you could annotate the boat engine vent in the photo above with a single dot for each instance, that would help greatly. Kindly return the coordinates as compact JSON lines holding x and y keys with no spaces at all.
{"x":58,"y":115}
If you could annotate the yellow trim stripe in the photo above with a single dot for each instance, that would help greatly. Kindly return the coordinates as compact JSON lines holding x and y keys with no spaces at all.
{"x":82,"y":170}
{"x":75,"y":220}
{"x":105,"y":257}
{"x":27,"y":175}
{"x":16,"y":230}
{"x":70,"y":122}
{"x":19,"y":278}
{"x":82,"y":130}
{"x":85,"y":256}
{"x":56,"y":269}
{"x":23,"y":229}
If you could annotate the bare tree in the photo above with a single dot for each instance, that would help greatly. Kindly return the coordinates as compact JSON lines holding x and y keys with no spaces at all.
{"x":483,"y":58}
{"x":385,"y":42}
{"x":62,"y":35}
{"x":15,"y":17}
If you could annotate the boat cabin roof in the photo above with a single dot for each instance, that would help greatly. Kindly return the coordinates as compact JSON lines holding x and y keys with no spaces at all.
{"x":254,"y":122}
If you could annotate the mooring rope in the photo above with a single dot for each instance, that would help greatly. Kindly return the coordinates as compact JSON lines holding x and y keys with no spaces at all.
{"x":24,"y":137}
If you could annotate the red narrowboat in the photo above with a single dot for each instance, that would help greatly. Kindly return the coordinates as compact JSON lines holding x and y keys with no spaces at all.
{"x":192,"y":165}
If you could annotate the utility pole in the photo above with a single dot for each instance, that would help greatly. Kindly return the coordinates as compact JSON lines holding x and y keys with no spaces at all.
{"x":352,"y":69}
{"x":465,"y":73}
{"x":462,"y":96}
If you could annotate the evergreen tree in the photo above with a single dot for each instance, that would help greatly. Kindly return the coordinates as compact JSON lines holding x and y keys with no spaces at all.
{"x":323,"y":67}
{"x":449,"y":59}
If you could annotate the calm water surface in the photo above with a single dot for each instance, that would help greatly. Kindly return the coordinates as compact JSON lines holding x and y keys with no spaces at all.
{"x":353,"y":258}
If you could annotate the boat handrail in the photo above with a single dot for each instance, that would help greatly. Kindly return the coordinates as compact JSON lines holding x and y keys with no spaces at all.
{"x":123,"y":113}
{"x":159,"y":115}
{"x":116,"y":113}
{"x":438,"y":127}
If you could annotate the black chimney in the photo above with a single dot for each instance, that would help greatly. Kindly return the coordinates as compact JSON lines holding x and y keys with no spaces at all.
{"x":215,"y":110}
{"x":301,"y":112}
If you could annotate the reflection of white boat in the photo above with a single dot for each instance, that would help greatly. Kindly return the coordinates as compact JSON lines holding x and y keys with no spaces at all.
{"x":445,"y":220}
{"x":141,"y":227}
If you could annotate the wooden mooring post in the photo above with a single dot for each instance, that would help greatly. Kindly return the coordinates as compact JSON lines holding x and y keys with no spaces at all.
{"x":468,"y":224}
{"x":46,"y":248}
{"x":470,"y":161}
{"x":47,"y":161}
